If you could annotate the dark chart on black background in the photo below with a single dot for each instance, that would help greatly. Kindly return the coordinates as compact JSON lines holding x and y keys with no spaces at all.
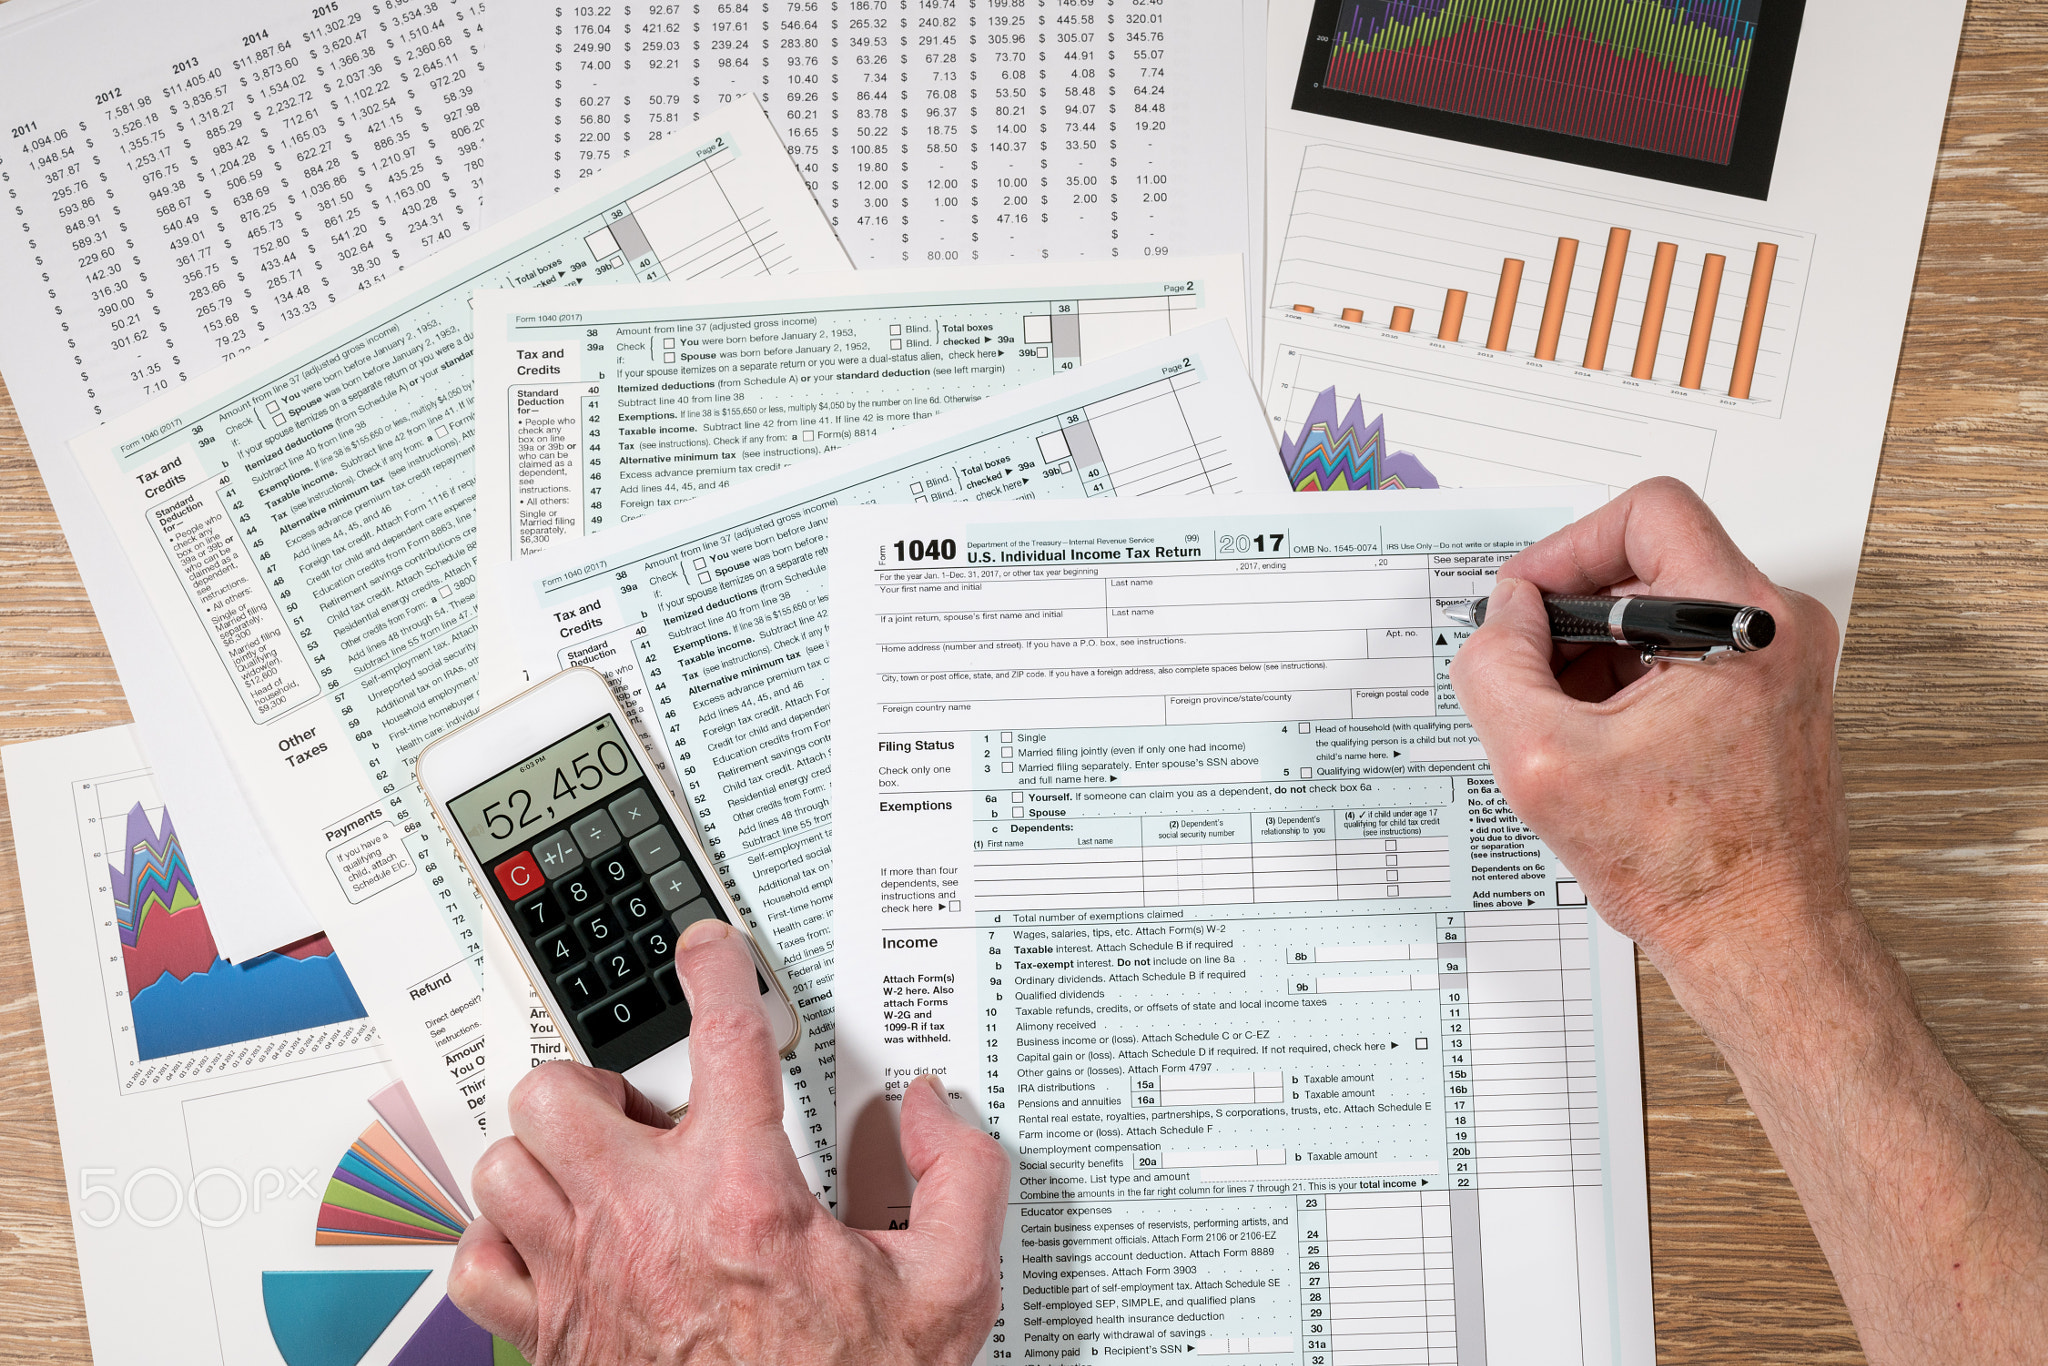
{"x":1665,"y":76}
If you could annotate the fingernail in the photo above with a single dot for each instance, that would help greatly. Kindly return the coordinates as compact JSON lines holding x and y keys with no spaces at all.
{"x":704,"y":931}
{"x":938,"y":1089}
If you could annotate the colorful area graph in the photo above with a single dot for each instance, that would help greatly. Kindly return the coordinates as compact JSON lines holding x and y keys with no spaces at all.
{"x":182,"y":996}
{"x":1329,"y":457}
{"x":379,"y":1195}
{"x":1662,"y":75}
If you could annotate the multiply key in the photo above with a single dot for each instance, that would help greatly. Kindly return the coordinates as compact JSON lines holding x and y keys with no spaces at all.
{"x":635,"y":812}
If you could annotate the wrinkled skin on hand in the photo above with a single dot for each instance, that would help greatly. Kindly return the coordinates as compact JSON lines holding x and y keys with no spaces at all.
{"x":1702,"y":809}
{"x":1692,"y":802}
{"x":610,"y":1236}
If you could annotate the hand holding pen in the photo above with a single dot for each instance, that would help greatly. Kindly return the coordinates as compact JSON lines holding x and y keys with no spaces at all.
{"x":1681,"y":629}
{"x":1737,"y":763}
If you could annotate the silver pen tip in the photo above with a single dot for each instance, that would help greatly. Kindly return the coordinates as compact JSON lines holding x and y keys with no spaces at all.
{"x":1462,"y":616}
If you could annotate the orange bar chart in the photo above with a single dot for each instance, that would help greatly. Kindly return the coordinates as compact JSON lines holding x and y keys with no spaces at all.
{"x":1554,"y":300}
{"x":1702,"y":322}
{"x":1403,"y":320}
{"x":1504,"y":305}
{"x":1354,"y":315}
{"x":1603,"y":303}
{"x":1653,"y":311}
{"x":1454,"y":315}
{"x":1751,"y":339}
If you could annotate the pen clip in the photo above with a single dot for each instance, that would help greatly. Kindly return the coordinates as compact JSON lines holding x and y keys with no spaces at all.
{"x":1653,"y":655}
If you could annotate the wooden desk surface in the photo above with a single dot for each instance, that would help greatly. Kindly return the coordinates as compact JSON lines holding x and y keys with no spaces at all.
{"x":1940,"y":708}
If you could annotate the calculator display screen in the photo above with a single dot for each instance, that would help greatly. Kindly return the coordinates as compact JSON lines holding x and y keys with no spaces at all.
{"x":545,"y":789}
{"x":598,"y":883}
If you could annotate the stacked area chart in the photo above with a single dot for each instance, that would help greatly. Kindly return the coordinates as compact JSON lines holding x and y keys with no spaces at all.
{"x":1332,"y":456}
{"x":183,"y":997}
{"x":177,"y":1009}
{"x":1661,"y":75}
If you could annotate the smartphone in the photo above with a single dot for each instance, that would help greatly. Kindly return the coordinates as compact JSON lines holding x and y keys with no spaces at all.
{"x":591,"y":871}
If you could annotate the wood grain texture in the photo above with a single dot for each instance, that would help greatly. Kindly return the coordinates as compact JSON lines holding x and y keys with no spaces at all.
{"x":55,"y":678}
{"x":1942,"y":688}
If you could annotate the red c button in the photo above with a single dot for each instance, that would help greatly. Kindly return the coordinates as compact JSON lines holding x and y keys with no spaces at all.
{"x":520,"y":876}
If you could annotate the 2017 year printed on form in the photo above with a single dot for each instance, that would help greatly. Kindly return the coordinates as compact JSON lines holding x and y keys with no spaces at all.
{"x":1200,"y":894}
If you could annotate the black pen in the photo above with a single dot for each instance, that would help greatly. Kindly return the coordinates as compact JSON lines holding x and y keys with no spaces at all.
{"x":1662,"y":628}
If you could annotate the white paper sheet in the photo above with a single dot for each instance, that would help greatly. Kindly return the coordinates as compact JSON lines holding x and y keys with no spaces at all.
{"x":1163,"y":842}
{"x":302,"y":523}
{"x":975,"y":130}
{"x":1391,"y":197}
{"x":183,"y":182}
{"x":202,"y":1118}
{"x":648,"y":395}
{"x":711,"y":617}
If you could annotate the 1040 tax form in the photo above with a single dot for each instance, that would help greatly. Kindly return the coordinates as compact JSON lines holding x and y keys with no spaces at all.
{"x":1163,"y":841}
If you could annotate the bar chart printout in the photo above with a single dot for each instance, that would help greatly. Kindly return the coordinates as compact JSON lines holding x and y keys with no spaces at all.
{"x":1661,"y":75}
{"x":1501,"y":335}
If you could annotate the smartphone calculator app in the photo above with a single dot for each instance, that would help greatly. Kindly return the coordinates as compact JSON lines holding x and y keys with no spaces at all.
{"x":598,"y":884}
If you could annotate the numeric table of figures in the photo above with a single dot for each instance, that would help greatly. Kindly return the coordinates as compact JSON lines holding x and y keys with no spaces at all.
{"x":930,"y":130}
{"x":226,"y":173}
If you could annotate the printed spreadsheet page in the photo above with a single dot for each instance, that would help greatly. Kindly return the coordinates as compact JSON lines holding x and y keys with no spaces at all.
{"x":1163,"y":841}
{"x":951,"y":132}
{"x":183,"y":182}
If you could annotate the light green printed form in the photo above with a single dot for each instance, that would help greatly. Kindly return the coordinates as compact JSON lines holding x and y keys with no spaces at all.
{"x":650,"y":395}
{"x":1164,"y":841}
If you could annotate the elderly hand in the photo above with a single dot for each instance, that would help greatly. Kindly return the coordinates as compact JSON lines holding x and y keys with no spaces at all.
{"x":1696,"y":804}
{"x":1702,"y":809}
{"x":608,"y":1236}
